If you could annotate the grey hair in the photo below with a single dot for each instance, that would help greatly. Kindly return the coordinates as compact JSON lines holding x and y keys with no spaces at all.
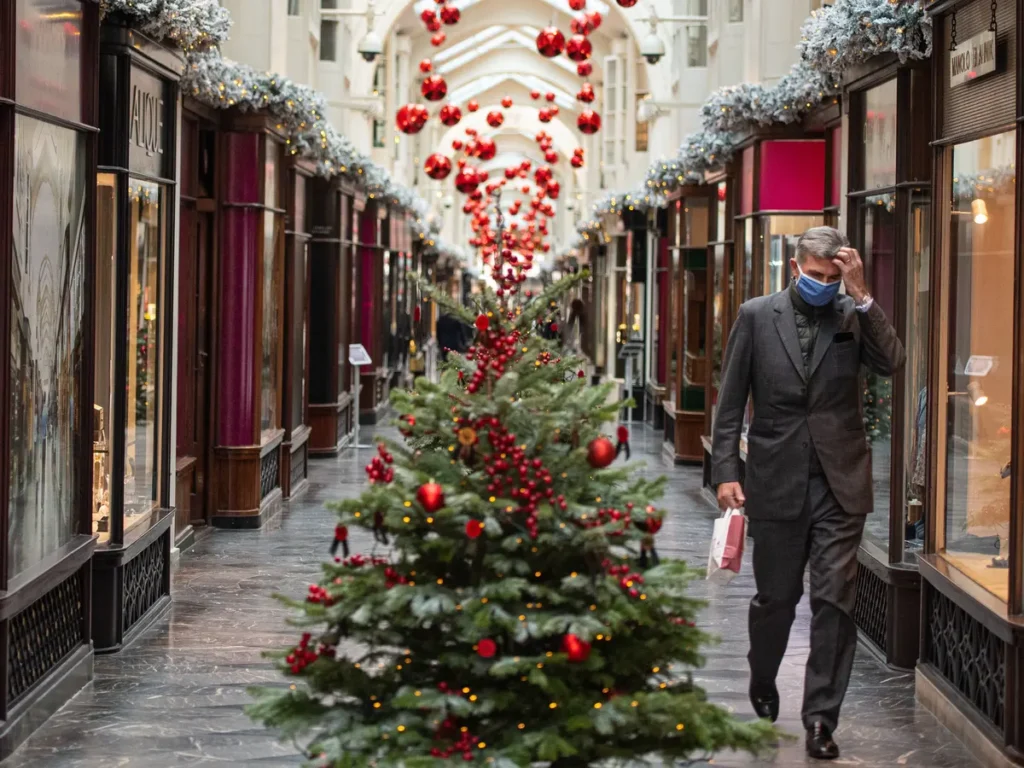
{"x":820,"y":243}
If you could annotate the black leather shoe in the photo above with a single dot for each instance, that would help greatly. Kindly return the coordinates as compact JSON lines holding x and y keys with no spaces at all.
{"x":765,"y":699}
{"x":820,"y":744}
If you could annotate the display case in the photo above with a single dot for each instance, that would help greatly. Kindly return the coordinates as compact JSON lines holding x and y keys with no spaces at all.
{"x":372,"y":298}
{"x":332,"y":311}
{"x":48,"y":148}
{"x":134,"y":327}
{"x":970,"y":672}
{"x":889,"y":221}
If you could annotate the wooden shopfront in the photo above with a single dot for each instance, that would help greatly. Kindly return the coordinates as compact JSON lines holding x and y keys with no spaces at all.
{"x":333,"y":309}
{"x":659,"y":287}
{"x":137,"y":192}
{"x":372,"y":285}
{"x":49,"y":120}
{"x":971,"y":667}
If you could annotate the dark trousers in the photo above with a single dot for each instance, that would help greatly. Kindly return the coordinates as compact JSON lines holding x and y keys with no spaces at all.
{"x":826,"y":538}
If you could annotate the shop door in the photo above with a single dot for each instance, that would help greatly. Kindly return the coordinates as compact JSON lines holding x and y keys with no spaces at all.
{"x":201,"y":344}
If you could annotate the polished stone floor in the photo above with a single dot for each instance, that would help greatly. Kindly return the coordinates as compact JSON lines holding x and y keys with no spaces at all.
{"x":175,"y":697}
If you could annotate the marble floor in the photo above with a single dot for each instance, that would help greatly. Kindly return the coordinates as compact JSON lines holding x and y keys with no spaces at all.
{"x":175,"y":697}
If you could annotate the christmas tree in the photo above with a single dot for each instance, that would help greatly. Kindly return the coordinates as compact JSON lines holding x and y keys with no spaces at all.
{"x":506,"y":616}
{"x":877,"y":407}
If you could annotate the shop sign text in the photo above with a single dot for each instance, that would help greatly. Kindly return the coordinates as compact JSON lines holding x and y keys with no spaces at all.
{"x":972,"y":59}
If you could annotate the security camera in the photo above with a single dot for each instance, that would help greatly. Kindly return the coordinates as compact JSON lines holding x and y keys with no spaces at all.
{"x":652,"y":48}
{"x":370,"y":47}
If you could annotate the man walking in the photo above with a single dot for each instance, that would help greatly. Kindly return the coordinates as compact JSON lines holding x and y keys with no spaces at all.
{"x":797,"y":354}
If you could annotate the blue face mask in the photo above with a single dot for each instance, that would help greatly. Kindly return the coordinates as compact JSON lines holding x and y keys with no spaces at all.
{"x":815,"y":292}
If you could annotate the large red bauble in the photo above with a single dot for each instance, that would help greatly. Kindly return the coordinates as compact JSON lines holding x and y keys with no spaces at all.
{"x":577,"y":5}
{"x":426,"y":65}
{"x":473,"y":106}
{"x":473,"y":530}
{"x":434,"y":88}
{"x":600,"y":452}
{"x":411,"y":118}
{"x":544,"y":115}
{"x":450,"y":114}
{"x":430,"y":496}
{"x":437,"y":166}
{"x":553,"y":189}
{"x":580,"y":25}
{"x":486,"y":149}
{"x":586,"y":93}
{"x":551,"y":156}
{"x":434,"y":25}
{"x":588,"y":121}
{"x":626,"y":3}
{"x":577,"y":161}
{"x":595,"y":19}
{"x":467,"y":180}
{"x":456,"y":144}
{"x":578,"y":48}
{"x":542,"y":175}
{"x":428,"y":16}
{"x":486,"y":648}
{"x":495,"y":119}
{"x":438,"y":39}
{"x":450,"y":14}
{"x":584,"y":69}
{"x":550,"y":42}
{"x":576,"y":649}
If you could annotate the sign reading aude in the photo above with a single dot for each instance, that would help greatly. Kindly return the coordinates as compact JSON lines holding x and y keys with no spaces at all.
{"x":972,"y":59}
{"x":146,"y":123}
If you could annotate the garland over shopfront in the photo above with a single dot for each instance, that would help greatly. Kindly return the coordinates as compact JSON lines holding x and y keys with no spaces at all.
{"x":198,"y":27}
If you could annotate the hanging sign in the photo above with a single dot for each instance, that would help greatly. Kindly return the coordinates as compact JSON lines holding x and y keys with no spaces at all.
{"x":973,"y":58}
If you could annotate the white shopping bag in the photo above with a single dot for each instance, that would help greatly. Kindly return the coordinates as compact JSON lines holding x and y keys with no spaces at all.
{"x":727,"y":539}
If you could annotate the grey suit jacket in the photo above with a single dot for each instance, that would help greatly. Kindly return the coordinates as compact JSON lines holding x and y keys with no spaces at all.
{"x":791,"y":408}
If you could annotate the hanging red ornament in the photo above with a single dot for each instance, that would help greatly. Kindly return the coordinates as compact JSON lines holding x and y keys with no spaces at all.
{"x":437,"y":167}
{"x":433,"y":25}
{"x":576,"y":649}
{"x":428,"y":16}
{"x":584,"y":69}
{"x":551,"y":156}
{"x":486,"y":648}
{"x":577,"y":5}
{"x":426,"y":66}
{"x":430,"y":496}
{"x":534,"y":95}
{"x":588,"y":121}
{"x":542,"y":175}
{"x":550,"y":96}
{"x":544,"y":115}
{"x":474,"y":528}
{"x":506,"y":102}
{"x":450,"y":14}
{"x":578,"y":48}
{"x":586,"y":93}
{"x":411,"y":118}
{"x":457,"y":144}
{"x":450,"y":115}
{"x":486,"y":149}
{"x":434,"y":88}
{"x":495,"y":119}
{"x":467,"y":180}
{"x":473,"y":106}
{"x":553,"y":189}
{"x":438,"y":39}
{"x":550,"y":42}
{"x":483,"y":322}
{"x":580,"y":25}
{"x":600,"y":452}
{"x":627,"y":3}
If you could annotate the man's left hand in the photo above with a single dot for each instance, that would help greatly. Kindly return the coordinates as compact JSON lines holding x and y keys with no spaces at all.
{"x":850,"y":264}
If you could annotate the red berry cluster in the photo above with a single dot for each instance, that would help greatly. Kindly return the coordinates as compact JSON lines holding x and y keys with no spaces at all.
{"x":605,"y":516}
{"x":463,"y":742}
{"x":318,"y":595}
{"x":493,"y":351}
{"x":524,"y":479}
{"x":411,"y":421}
{"x":628,"y":579}
{"x":393,"y":578}
{"x":361,"y":561}
{"x":302,"y":655}
{"x":379,"y":470}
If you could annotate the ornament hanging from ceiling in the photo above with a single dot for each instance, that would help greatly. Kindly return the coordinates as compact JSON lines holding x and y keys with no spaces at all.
{"x":434,"y":25}
{"x":495,"y":119}
{"x":467,"y":180}
{"x":578,"y":48}
{"x":551,"y":156}
{"x":438,"y":39}
{"x":584,"y":69}
{"x":544,"y":115}
{"x":626,"y":3}
{"x":457,"y":144}
{"x":580,"y":25}
{"x":428,"y":16}
{"x":577,"y":5}
{"x":434,"y":88}
{"x":595,"y":18}
{"x":542,"y":175}
{"x":507,"y":102}
{"x":486,"y":149}
{"x":473,"y":105}
{"x":553,"y":189}
{"x":586,"y":94}
{"x":411,"y":118}
{"x":426,"y":65}
{"x":588,"y":121}
{"x":450,"y":115}
{"x":550,"y":96}
{"x":534,"y":95}
{"x":437,"y":166}
{"x":550,"y":42}
{"x":450,"y":14}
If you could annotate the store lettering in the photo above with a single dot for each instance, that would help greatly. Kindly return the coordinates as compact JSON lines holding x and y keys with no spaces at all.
{"x":975,"y":58}
{"x":147,"y":129}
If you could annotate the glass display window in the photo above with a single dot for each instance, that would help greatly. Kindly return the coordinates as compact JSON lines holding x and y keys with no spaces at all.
{"x":779,"y":235}
{"x":879,"y":135}
{"x":974,"y":534}
{"x":272,"y":315}
{"x":46,"y":313}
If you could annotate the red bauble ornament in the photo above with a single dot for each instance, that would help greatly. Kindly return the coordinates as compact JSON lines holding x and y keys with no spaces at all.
{"x":486,"y":648}
{"x":577,"y":5}
{"x":483,"y":322}
{"x":430,"y":496}
{"x":551,"y":156}
{"x":550,"y":96}
{"x":584,"y":68}
{"x":542,"y":175}
{"x":438,"y":39}
{"x":544,"y":115}
{"x":586,"y":93}
{"x":580,"y":25}
{"x":550,"y":42}
{"x":428,"y":16}
{"x":426,"y":66}
{"x":554,"y":189}
{"x":434,"y":25}
{"x":434,"y":88}
{"x":534,"y":95}
{"x":627,"y":3}
{"x":600,"y":452}
{"x":450,"y":14}
{"x":450,"y":115}
{"x":486,"y":149}
{"x":495,"y":119}
{"x":457,"y":144}
{"x":588,"y":121}
{"x":578,"y":48}
{"x":437,"y":167}
{"x":721,"y":192}
{"x":576,"y":649}
{"x":473,"y":105}
{"x":507,"y":102}
{"x":467,"y":180}
{"x":595,"y":19}
{"x":474,"y":528}
{"x":411,"y":118}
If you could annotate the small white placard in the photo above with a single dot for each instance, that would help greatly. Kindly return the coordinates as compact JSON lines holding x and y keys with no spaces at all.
{"x":358,"y":356}
{"x":979,"y":366}
{"x":973,"y":58}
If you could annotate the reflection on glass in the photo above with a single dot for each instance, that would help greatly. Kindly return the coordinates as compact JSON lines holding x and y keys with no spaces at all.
{"x":915,"y":454}
{"x":142,"y":433}
{"x":779,"y":235}
{"x":878,"y":250}
{"x":675,"y":297}
{"x":49,"y":57}
{"x":298,"y":344}
{"x":721,"y":225}
{"x":748,"y":259}
{"x":270,"y":369}
{"x":979,"y":363}
{"x":103,"y":375}
{"x":47,"y":287}
{"x":880,"y":136}
{"x":718,"y":318}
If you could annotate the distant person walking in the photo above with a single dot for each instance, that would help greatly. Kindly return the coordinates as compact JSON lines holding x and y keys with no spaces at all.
{"x":452,"y":334}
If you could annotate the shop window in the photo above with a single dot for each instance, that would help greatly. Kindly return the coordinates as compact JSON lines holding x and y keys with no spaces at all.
{"x":642,"y":128}
{"x":47,"y":301}
{"x":294,"y":7}
{"x":979,"y":362}
{"x":779,"y":235}
{"x":879,"y":136}
{"x":735,"y":11}
{"x":328,"y":40}
{"x":48,"y":71}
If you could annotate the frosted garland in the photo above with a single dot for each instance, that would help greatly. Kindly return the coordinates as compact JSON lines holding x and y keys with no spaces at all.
{"x":851,"y":32}
{"x":189,"y":24}
{"x":701,"y":152}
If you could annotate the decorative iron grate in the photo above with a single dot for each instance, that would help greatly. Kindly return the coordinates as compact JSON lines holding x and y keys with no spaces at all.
{"x":298,"y":467}
{"x":43,"y":635}
{"x":270,"y":472}
{"x":143,"y":582}
{"x":967,"y":655}
{"x":872,"y":608}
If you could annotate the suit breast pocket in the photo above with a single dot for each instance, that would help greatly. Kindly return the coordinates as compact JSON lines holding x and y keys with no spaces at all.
{"x":846,"y":358}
